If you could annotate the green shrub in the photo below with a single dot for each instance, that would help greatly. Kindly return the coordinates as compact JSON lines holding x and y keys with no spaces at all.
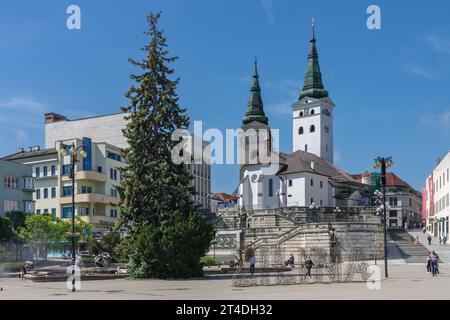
{"x":208,"y":261}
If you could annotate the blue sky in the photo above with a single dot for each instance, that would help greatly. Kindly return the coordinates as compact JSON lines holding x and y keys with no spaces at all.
{"x":390,"y":86}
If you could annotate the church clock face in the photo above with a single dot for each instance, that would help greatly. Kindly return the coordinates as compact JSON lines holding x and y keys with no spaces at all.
{"x":254,"y":178}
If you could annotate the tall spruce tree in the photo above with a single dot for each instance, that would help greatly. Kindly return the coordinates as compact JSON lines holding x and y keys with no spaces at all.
{"x":155,"y":192}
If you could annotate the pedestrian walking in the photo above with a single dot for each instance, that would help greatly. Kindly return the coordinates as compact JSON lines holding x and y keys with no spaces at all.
{"x":444,"y":240}
{"x":429,"y":240}
{"x":429,"y":261}
{"x":434,"y":258}
{"x":252,"y":262}
{"x":308,"y":265}
{"x":23,"y":272}
{"x":440,"y":240}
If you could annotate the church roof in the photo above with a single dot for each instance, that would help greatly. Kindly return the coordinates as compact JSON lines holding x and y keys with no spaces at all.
{"x":313,"y":86}
{"x":255,"y":107}
{"x":301,"y":161}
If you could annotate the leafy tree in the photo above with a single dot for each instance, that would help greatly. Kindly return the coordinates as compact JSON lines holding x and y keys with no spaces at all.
{"x":6,"y":230}
{"x":17,"y":219}
{"x":155,"y":192}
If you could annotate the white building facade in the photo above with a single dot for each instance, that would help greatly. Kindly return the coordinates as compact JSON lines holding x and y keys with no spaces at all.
{"x":96,"y":179}
{"x":436,"y":202}
{"x":108,"y":128}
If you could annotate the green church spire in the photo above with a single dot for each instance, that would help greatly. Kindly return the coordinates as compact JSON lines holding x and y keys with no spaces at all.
{"x":255,"y":108}
{"x":313,"y":86}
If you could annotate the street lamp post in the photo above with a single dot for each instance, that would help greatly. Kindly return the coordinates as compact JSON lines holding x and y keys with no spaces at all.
{"x":384,"y":163}
{"x":73,"y":152}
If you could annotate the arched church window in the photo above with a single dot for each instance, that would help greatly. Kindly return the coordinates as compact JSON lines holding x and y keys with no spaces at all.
{"x":312,"y":111}
{"x":301,"y":114}
{"x":300,"y":130}
{"x":312,"y":128}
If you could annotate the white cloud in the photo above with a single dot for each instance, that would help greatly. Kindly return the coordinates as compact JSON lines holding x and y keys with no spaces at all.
{"x":440,"y":122}
{"x":22,"y":104}
{"x":420,"y":71}
{"x":438,"y":44}
{"x":268,"y":10}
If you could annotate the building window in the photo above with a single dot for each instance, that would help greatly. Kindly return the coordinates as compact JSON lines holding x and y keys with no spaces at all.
{"x":393,"y":213}
{"x":300,"y":130}
{"x":321,"y":184}
{"x":113,"y":213}
{"x":10,"y":206}
{"x":306,"y":148}
{"x":301,"y":114}
{"x":321,"y":202}
{"x":313,"y":112}
{"x":113,"y":156}
{"x":393,"y":201}
{"x":38,"y":211}
{"x":38,"y":193}
{"x":11,"y":182}
{"x":66,"y":169}
{"x":67,"y":212}
{"x":28,"y":183}
{"x":312,"y":128}
{"x":113,"y":192}
{"x":312,"y":200}
{"x":45,"y":173}
{"x":53,"y":193}
{"x":86,"y":189}
{"x":37,"y":172}
{"x":312,"y":183}
{"x":270,"y":187}
{"x":45,"y":193}
{"x":113,"y":174}
{"x":45,"y":211}
{"x":54,"y":211}
{"x":290,"y":183}
{"x":67,"y":191}
{"x":83,"y":211}
{"x":53,"y":170}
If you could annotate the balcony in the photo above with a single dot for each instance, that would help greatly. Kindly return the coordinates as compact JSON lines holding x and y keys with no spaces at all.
{"x":97,"y":219}
{"x":87,"y":175}
{"x":90,"y":198}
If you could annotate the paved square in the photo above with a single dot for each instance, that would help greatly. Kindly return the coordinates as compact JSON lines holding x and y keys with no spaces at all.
{"x":407,"y":281}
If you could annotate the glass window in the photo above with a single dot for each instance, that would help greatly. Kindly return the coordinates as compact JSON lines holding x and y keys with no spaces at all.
{"x":290,"y":183}
{"x":67,"y":191}
{"x":300,"y":130}
{"x":86,"y":189}
{"x":67,"y":212}
{"x":53,"y":170}
{"x":312,"y":128}
{"x":45,"y":171}
{"x":37,"y":172}
{"x":54,"y":211}
{"x":45,"y":193}
{"x":270,"y":188}
{"x":66,"y":169}
{"x":53,"y":193}
{"x":10,"y":205}
{"x":38,"y":193}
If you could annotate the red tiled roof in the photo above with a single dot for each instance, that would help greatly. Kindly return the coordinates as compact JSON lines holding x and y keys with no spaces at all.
{"x":221,"y":196}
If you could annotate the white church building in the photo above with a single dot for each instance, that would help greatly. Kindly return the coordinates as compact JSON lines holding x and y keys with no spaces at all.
{"x":307,"y":177}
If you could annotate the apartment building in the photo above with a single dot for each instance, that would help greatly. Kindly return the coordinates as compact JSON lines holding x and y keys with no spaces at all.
{"x":436,"y":202}
{"x":109,"y":128}
{"x":16,"y":188}
{"x":96,"y":178}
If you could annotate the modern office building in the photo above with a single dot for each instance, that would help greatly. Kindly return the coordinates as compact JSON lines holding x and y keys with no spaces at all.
{"x":96,"y":178}
{"x":16,"y":188}
{"x":108,"y":128}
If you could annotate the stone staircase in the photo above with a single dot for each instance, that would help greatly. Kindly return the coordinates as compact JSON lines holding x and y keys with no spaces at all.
{"x":412,"y":253}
